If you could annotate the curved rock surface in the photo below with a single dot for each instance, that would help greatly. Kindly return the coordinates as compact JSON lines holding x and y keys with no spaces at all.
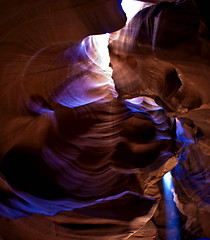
{"x":89,"y":124}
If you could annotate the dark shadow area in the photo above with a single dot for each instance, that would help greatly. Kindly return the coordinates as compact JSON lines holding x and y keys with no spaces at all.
{"x":25,"y":170}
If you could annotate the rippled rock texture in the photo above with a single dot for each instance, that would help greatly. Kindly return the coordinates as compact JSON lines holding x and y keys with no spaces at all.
{"x":90,"y":123}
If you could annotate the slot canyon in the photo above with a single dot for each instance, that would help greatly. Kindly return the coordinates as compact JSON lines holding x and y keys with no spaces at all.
{"x":104,"y":120}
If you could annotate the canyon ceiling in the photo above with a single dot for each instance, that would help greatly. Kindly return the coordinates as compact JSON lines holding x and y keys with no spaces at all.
{"x":94,"y":112}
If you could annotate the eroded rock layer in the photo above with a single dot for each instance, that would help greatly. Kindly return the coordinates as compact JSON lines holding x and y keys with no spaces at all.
{"x":89,"y":124}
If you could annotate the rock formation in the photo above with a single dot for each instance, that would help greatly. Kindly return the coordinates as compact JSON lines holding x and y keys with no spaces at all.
{"x":90,"y":123}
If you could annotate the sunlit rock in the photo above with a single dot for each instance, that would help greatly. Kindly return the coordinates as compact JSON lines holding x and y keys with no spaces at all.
{"x":90,"y":124}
